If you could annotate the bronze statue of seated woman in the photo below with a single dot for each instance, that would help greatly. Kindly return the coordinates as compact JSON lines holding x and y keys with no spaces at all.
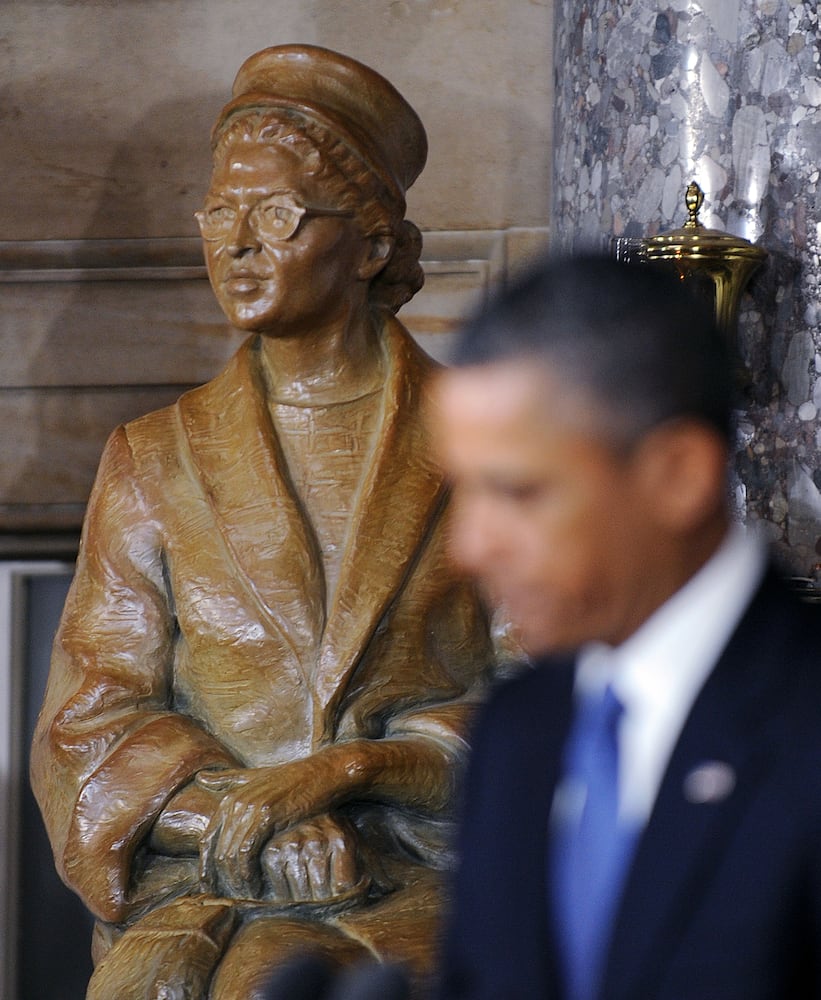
{"x":265,"y":668}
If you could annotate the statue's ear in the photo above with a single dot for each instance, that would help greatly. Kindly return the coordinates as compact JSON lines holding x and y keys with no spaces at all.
{"x":381,"y":248}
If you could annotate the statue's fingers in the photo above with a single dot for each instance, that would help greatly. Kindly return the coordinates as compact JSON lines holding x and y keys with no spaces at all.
{"x":343,"y":867}
{"x":247,"y":868}
{"x":317,"y":866}
{"x":296,"y":872}
{"x":208,"y":843}
{"x":273,"y":860}
{"x":218,"y":859}
{"x":238,"y":850}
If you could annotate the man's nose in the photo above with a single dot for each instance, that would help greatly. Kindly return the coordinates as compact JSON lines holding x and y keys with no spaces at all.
{"x":243,"y":237}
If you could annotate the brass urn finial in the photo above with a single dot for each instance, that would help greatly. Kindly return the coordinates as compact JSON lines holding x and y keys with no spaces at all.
{"x":695,"y":251}
{"x":693,"y":200}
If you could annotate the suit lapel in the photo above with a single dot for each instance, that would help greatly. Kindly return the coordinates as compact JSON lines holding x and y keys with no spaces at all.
{"x":691,"y":823}
{"x":400,"y":496}
{"x":555,"y":713}
{"x":503,"y":889}
{"x":236,"y":456}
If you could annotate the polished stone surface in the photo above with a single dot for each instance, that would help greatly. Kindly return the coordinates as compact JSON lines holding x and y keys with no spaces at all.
{"x":727,"y":93}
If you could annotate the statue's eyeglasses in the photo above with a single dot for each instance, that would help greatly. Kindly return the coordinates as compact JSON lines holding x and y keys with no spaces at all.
{"x":275,"y":218}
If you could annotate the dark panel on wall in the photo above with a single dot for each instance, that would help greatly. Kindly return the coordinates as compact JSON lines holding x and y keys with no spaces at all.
{"x":54,"y":928}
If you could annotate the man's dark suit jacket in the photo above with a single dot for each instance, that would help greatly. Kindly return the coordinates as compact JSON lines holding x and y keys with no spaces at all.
{"x":723,"y":899}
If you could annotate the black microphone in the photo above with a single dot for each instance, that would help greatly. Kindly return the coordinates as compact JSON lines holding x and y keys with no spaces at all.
{"x":306,"y":977}
{"x":372,"y":981}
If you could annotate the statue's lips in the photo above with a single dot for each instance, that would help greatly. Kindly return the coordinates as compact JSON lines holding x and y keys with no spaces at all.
{"x":242,"y":284}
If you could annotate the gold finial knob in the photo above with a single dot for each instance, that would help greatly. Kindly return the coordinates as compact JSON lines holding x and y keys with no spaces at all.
{"x":693,"y":200}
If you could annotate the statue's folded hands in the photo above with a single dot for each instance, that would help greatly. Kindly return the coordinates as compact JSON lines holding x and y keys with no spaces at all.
{"x":260,"y":803}
{"x":317,"y":861}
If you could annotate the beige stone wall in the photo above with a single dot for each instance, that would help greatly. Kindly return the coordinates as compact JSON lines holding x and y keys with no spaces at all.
{"x":106,"y":107}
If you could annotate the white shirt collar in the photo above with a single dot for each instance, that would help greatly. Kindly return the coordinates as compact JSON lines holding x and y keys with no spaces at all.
{"x":658,"y":672}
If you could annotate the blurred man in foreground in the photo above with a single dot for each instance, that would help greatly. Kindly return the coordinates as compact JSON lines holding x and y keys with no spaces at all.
{"x":643,"y":808}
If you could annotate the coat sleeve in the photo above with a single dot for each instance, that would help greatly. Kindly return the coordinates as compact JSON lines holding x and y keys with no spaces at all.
{"x":435,"y":647}
{"x":109,"y":750}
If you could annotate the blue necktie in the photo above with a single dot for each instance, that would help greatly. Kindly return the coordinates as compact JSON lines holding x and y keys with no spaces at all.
{"x":589,"y":848}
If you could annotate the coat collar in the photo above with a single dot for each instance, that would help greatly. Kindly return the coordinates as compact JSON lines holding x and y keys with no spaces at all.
{"x":726,"y":736}
{"x":234,"y":451}
{"x":401,"y":495}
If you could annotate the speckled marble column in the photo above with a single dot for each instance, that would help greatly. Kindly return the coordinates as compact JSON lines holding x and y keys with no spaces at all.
{"x":651,"y":95}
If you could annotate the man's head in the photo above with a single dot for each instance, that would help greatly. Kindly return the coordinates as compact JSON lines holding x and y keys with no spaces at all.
{"x":585,"y":426}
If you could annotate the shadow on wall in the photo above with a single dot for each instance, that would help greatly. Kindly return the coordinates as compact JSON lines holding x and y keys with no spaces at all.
{"x":87,"y":355}
{"x":111,"y":351}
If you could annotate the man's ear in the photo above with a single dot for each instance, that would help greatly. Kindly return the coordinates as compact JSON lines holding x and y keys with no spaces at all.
{"x":683,"y":467}
{"x":379,"y":253}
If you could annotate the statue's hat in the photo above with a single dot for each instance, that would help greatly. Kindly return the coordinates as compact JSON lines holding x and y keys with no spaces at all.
{"x":357,"y":104}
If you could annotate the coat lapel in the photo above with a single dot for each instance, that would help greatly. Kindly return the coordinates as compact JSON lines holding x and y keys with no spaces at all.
{"x":235,"y":454}
{"x":234,"y":450}
{"x":554,"y":713}
{"x":398,"y":503}
{"x":716,"y":765}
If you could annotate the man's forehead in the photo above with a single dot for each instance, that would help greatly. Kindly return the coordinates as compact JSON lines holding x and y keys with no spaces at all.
{"x":496,"y":389}
{"x":521,"y":394}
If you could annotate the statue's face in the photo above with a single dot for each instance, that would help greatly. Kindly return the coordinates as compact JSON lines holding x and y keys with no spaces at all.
{"x":281,"y":256}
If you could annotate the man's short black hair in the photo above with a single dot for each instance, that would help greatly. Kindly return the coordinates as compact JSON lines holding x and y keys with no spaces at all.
{"x":634,"y":337}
